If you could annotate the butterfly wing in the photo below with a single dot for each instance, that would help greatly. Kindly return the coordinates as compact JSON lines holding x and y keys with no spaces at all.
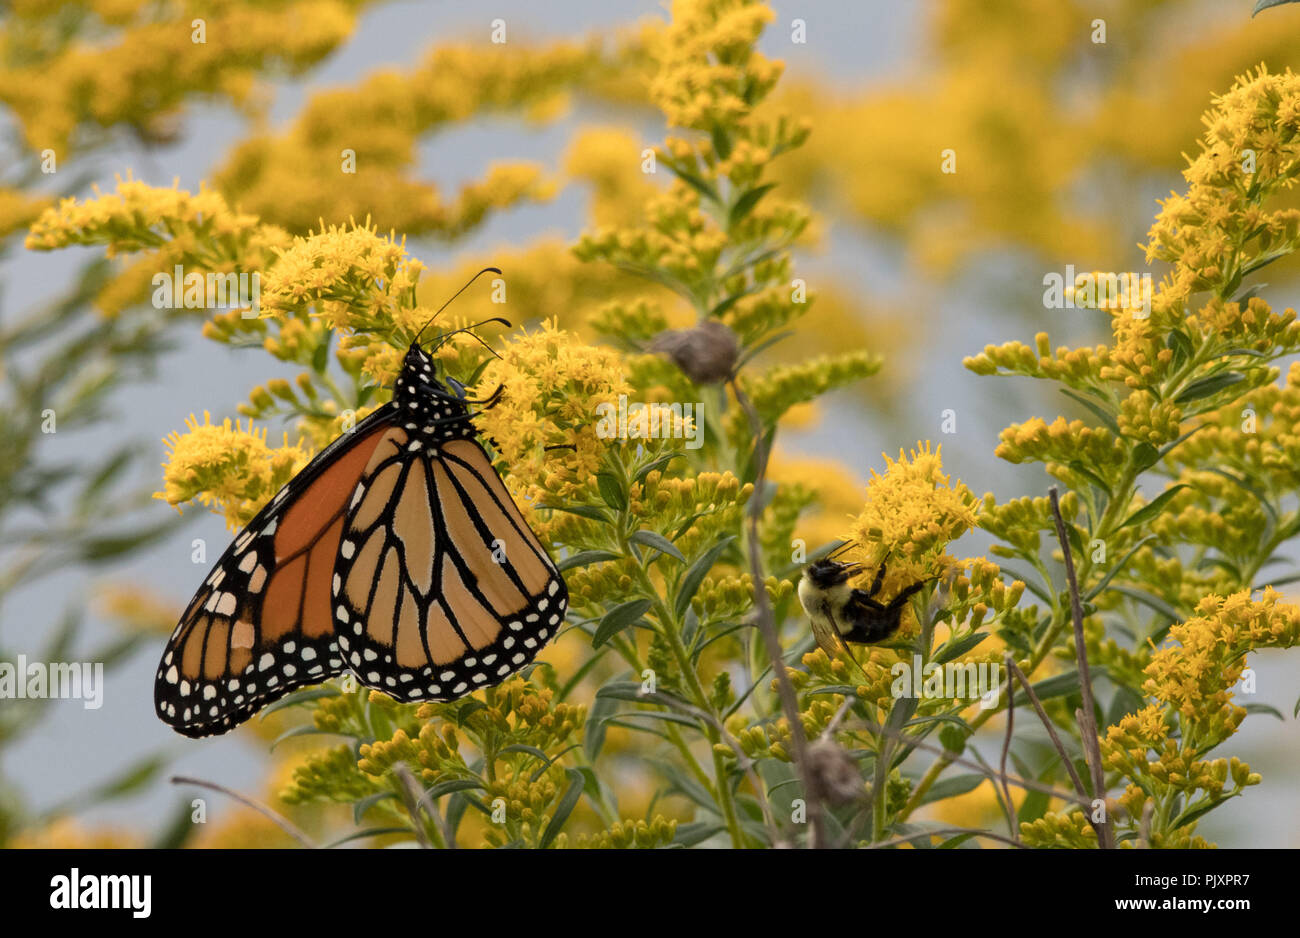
{"x":261,"y":623}
{"x":441,"y":587}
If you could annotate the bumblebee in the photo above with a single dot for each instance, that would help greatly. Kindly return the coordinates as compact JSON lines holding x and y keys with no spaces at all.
{"x":842,"y":614}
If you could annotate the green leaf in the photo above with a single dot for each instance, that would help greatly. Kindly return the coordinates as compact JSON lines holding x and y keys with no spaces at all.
{"x":622,"y":690}
{"x":611,"y":491}
{"x":957,"y":841}
{"x":745,"y":204}
{"x":300,"y":697}
{"x":177,"y":831}
{"x":1110,"y":574}
{"x":360,"y":808}
{"x":1213,"y":384}
{"x":656,"y":464}
{"x":1150,"y":601}
{"x":583,"y":511}
{"x":302,"y":731}
{"x":1181,"y":346}
{"x":1265,"y":708}
{"x":619,"y":618}
{"x":660,"y":543}
{"x":1145,"y":456}
{"x":593,"y":736}
{"x":468,"y":709}
{"x":847,"y":690}
{"x":368,"y":832}
{"x":1265,"y":4}
{"x":564,"y":808}
{"x":955,"y":649}
{"x":585,"y":558}
{"x":695,"y":574}
{"x":1105,"y":416}
{"x":696,"y":183}
{"x":1153,"y":508}
{"x":1058,"y":685}
{"x":952,"y":787}
{"x":696,"y":832}
{"x":451,"y":786}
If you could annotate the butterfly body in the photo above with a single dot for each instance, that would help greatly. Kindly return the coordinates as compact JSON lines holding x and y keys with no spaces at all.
{"x":397,"y":553}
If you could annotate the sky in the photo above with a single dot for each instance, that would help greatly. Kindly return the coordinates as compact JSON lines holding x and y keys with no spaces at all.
{"x":849,"y":44}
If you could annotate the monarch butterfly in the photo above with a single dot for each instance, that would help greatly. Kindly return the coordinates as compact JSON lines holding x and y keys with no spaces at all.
{"x":396,"y":553}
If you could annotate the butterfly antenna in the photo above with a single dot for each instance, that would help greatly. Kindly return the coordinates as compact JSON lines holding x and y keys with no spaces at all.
{"x":485,"y":270}
{"x":470,"y":330}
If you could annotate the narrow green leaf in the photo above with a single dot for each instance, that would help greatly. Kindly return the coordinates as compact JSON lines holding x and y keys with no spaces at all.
{"x":1153,"y":508}
{"x":451,"y":786}
{"x":1105,"y":416}
{"x":1265,"y":4}
{"x":952,"y":787}
{"x":583,"y":511}
{"x":656,"y":464}
{"x":360,"y":808}
{"x":1150,"y":601}
{"x":745,"y":204}
{"x":619,"y":618}
{"x":368,"y":832}
{"x":695,"y":574}
{"x":1213,"y":384}
{"x":611,"y":491}
{"x":1110,"y":574}
{"x":585,"y":558}
{"x":564,"y":808}
{"x":660,"y":543}
{"x":955,"y":649}
{"x":957,"y":841}
{"x":300,"y":697}
{"x":1265,"y":708}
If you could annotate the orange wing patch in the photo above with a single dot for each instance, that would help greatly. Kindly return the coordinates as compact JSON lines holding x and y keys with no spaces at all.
{"x":262,"y":623}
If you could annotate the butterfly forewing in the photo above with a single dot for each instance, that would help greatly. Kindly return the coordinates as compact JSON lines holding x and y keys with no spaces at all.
{"x":260,"y":625}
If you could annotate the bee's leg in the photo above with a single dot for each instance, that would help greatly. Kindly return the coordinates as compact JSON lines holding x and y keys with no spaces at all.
{"x":880,"y":578}
{"x":907,"y":594}
{"x":863,"y":598}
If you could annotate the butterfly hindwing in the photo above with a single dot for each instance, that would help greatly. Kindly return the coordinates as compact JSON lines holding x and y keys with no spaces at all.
{"x":442,"y":588}
{"x":260,"y":624}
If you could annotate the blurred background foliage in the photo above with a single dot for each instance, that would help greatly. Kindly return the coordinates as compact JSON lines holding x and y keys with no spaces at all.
{"x":1062,"y":144}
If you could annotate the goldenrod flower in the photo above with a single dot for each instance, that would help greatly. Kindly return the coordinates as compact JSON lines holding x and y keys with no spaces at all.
{"x":228,"y":467}
{"x":913,"y":511}
{"x":551,"y":384}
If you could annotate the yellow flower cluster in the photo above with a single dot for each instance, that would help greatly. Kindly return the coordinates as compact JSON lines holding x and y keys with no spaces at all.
{"x":138,"y":216}
{"x":1194,"y":677}
{"x":1218,"y":230}
{"x":912,"y":512}
{"x":351,"y":152}
{"x":551,"y":384}
{"x":710,"y":75}
{"x":229,"y":468}
{"x":355,"y":279}
{"x":122,"y":62}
